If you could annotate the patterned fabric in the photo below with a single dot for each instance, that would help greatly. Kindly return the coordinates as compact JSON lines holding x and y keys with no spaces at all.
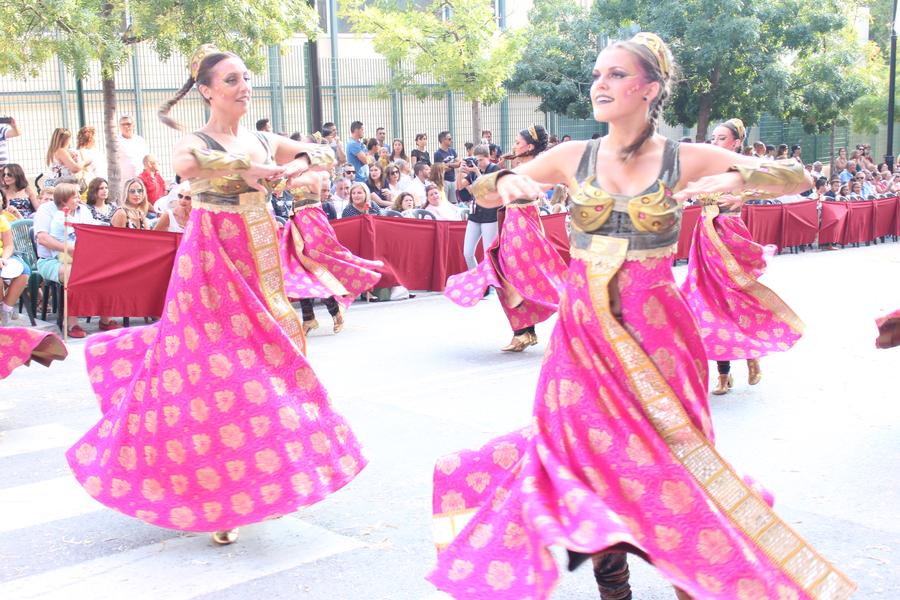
{"x":212,"y":417}
{"x":105,"y":215}
{"x":738,"y":316}
{"x":24,"y":206}
{"x":522,"y":265}
{"x":888,"y":330}
{"x":620,"y":453}
{"x":316,"y":265}
{"x":20,"y":345}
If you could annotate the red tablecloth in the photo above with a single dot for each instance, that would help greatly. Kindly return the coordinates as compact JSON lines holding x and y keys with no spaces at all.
{"x":689,"y":219}
{"x":886,"y":210}
{"x":860,"y":222}
{"x":765,"y":223}
{"x":801,"y":224}
{"x":832,"y":222}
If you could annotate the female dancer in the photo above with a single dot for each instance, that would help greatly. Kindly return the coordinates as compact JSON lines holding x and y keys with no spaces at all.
{"x":317,"y":265}
{"x":739,"y":317}
{"x":20,"y":345}
{"x":620,"y":454}
{"x":521,"y":264}
{"x":212,"y":417}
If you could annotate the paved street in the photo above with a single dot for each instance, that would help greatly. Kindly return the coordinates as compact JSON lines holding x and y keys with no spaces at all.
{"x":422,"y":377}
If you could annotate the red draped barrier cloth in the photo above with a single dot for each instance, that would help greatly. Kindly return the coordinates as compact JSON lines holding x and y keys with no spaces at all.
{"x":688,"y":221}
{"x":765,"y":222}
{"x":120,"y":272}
{"x":833,"y":222}
{"x":885,"y":217}
{"x":801,"y":223}
{"x":860,"y":222}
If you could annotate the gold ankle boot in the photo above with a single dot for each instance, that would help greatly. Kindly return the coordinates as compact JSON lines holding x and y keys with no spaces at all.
{"x":725,"y":383}
{"x":520,"y":342}
{"x":339,"y":321}
{"x":754,"y":372}
{"x":225,"y":537}
{"x":309,"y":326}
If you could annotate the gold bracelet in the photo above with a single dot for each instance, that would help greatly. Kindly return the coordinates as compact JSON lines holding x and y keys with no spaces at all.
{"x":305,"y":192}
{"x":487,"y":184}
{"x":785,"y":174}
{"x":216,"y":160}
{"x":317,"y":155}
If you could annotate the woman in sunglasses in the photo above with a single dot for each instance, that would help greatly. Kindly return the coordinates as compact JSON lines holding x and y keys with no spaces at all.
{"x":175,"y":219}
{"x":18,"y":192}
{"x":133,"y":212}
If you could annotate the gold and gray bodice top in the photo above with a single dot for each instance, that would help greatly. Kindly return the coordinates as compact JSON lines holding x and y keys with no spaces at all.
{"x":647,"y":221}
{"x":226,"y":189}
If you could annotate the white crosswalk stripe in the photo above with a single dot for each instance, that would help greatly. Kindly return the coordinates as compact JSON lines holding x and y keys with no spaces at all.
{"x":35,"y":439}
{"x":185,"y":567}
{"x":42,"y":502}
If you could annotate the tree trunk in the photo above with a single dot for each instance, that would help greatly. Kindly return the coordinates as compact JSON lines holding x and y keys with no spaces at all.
{"x":831,"y":172}
{"x":703,"y":112}
{"x":109,"y":131}
{"x":476,"y":122}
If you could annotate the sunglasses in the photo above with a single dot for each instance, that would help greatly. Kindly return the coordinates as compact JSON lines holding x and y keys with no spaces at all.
{"x":349,"y":172}
{"x":184,"y":196}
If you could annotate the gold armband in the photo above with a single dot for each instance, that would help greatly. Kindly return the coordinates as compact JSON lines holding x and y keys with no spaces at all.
{"x":305,"y":192}
{"x":216,"y":160}
{"x":317,"y":155}
{"x":487,"y":184}
{"x":784,"y":174}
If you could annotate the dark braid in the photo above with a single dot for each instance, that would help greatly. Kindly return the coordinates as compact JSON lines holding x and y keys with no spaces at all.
{"x":166,"y":106}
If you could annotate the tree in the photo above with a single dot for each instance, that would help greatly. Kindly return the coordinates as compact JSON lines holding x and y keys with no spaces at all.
{"x":82,"y":31}
{"x":456,"y":42}
{"x":732,"y":60}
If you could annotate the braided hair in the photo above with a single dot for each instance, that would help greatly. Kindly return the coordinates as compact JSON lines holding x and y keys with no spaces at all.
{"x":204,"y":77}
{"x":650,"y":65}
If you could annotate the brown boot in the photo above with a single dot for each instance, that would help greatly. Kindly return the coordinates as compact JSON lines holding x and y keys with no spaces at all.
{"x":611,"y":574}
{"x":754,"y":372}
{"x":725,"y":383}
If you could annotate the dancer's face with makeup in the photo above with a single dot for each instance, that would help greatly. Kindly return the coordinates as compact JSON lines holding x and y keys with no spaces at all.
{"x":620,"y":85}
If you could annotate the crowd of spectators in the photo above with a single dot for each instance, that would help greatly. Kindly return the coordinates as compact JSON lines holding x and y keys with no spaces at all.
{"x":374,"y":176}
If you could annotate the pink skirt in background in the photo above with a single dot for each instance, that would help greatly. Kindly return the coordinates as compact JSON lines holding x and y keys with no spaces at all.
{"x":888,"y":330}
{"x":739,"y":317}
{"x":521,"y":264}
{"x":620,"y":454}
{"x":316,"y":265}
{"x":212,"y":417}
{"x":20,"y":345}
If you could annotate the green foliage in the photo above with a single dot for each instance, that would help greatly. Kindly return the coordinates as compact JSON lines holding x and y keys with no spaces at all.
{"x":880,"y":24}
{"x":465,"y":52}
{"x":81,"y":31}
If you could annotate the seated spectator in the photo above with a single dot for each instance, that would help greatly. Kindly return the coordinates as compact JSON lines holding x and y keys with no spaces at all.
{"x":868,"y":184}
{"x":168,"y":201}
{"x":13,"y":272}
{"x":380,"y":193}
{"x":153,"y":182}
{"x":416,"y":187}
{"x":849,"y":172}
{"x":406,"y":174}
{"x":340,"y":197}
{"x":133,"y":212}
{"x":8,"y":210}
{"x":843,"y":192}
{"x":327,"y":202}
{"x":439,"y":206}
{"x":60,"y":161}
{"x":45,"y":197}
{"x":360,"y":203}
{"x":174,"y":220}
{"x":97,"y":196}
{"x":404,"y":203}
{"x":834,"y":189}
{"x":392,"y":180}
{"x":855,"y":190}
{"x":19,"y":193}
{"x":436,"y":177}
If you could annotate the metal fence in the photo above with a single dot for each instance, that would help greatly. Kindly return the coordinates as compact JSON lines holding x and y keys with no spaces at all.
{"x":281,"y":92}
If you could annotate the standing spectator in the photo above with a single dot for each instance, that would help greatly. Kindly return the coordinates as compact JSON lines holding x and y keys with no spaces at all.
{"x":153,"y":181}
{"x":482,"y":222}
{"x":356,"y":151}
{"x":759,"y":150}
{"x":18,"y":192}
{"x":797,"y":153}
{"x":133,"y":212}
{"x":470,"y":149}
{"x":360,"y":204}
{"x":132,"y":149}
{"x":8,"y":129}
{"x":341,"y":196}
{"x":60,"y":161}
{"x":416,"y":187}
{"x":446,"y":154}
{"x":782,"y":152}
{"x":174,"y":220}
{"x":381,"y":136}
{"x":398,"y":150}
{"x":419,"y":153}
{"x":840,"y":161}
{"x":381,"y":194}
{"x":568,"y":138}
{"x":488,"y":138}
{"x":332,"y":140}
{"x":373,"y":154}
{"x":264,"y":125}
{"x":94,"y":162}
{"x":97,"y":196}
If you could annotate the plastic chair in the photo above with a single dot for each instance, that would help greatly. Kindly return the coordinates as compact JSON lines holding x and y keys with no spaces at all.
{"x":23,"y":247}
{"x":463,"y":212}
{"x":387,"y":212}
{"x":421,"y":213}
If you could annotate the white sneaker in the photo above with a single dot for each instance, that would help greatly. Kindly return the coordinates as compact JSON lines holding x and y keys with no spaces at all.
{"x":5,"y":317}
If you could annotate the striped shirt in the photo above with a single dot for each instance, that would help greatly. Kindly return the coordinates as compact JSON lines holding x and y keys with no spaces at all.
{"x":4,"y":153}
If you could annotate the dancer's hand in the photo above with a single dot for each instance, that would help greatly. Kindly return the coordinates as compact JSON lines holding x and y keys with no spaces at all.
{"x":731,"y":201}
{"x":513,"y":187}
{"x":712,"y":184}
{"x":258,"y":171}
{"x":311,"y":180}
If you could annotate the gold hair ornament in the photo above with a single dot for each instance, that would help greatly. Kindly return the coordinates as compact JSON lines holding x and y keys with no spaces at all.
{"x":738,"y":126}
{"x":654,"y":43}
{"x":533,"y":133}
{"x":198,"y":56}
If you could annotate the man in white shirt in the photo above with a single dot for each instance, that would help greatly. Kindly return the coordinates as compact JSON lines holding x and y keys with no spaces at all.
{"x":132,"y":149}
{"x":340,"y":198}
{"x":416,"y":187}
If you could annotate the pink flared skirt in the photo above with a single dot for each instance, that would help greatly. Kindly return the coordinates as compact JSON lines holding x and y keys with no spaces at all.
{"x":739,"y":317}
{"x":316,"y":265}
{"x":620,"y":454}
{"x":888,"y":330}
{"x":20,"y":345}
{"x":521,"y":264}
{"x":212,"y":417}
